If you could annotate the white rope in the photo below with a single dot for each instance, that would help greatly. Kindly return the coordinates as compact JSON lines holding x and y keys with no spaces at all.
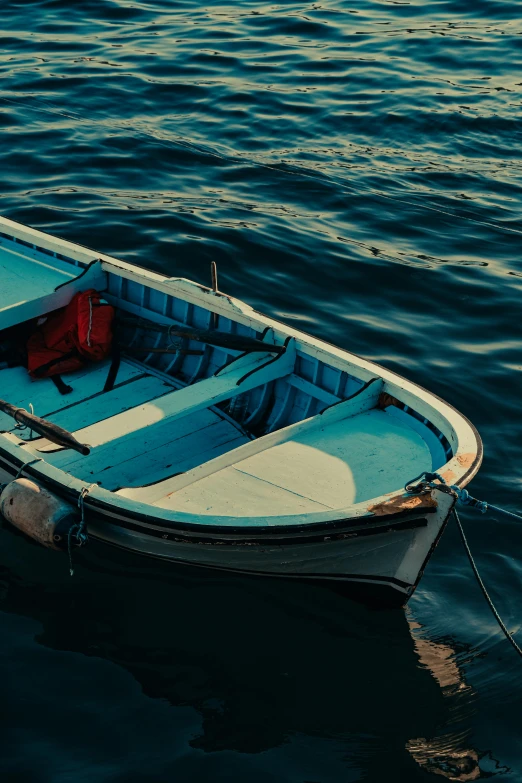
{"x":25,"y":465}
{"x":90,"y":323}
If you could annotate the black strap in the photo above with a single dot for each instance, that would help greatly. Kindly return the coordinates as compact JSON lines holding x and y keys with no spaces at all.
{"x":74,"y":279}
{"x":60,"y":384}
{"x":42,"y":369}
{"x":113,"y":369}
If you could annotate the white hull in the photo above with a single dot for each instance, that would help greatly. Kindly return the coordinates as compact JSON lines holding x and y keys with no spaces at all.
{"x":392,"y":559}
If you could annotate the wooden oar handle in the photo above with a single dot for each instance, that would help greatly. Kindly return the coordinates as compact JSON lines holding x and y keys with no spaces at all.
{"x":47,"y":429}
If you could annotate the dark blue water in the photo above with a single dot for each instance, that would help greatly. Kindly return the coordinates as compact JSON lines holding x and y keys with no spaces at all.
{"x":355,"y":170}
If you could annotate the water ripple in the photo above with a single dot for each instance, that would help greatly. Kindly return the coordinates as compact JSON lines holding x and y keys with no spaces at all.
{"x":355,"y":171}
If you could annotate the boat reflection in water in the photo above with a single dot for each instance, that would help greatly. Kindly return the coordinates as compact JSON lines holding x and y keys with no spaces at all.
{"x":268,"y":667}
{"x":447,"y":753}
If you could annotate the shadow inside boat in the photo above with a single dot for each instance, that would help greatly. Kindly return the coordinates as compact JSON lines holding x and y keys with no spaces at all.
{"x":260,"y":660}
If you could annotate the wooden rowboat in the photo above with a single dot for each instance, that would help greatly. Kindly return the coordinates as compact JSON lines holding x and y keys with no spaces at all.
{"x":289,"y":460}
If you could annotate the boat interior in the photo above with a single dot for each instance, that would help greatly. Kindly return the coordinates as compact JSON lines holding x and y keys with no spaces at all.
{"x":199,"y":428}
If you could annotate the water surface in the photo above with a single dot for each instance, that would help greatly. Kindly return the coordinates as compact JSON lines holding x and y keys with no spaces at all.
{"x":354,"y":169}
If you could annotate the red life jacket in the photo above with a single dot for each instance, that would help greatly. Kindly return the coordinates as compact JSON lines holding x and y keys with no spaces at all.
{"x":72,"y":336}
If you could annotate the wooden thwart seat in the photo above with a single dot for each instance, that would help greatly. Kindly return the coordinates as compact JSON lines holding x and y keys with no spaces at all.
{"x":140,"y":441}
{"x":166,"y":494}
{"x":32,"y":287}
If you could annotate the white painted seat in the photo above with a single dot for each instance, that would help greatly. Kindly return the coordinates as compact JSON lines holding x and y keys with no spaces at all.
{"x":29,"y":282}
{"x":140,"y":444}
{"x":244,"y":373}
{"x":143,"y":456}
{"x":364,"y":400}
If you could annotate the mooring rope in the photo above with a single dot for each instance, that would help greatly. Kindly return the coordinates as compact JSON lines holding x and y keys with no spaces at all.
{"x":20,"y":471}
{"x":25,"y":465}
{"x":79,"y":531}
{"x":491,"y":605}
{"x":427,"y":481}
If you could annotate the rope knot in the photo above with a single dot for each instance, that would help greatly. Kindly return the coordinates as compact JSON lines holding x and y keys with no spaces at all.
{"x":466,"y":499}
{"x":424,"y":482}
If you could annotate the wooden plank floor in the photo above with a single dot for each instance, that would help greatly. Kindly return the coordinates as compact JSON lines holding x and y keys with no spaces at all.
{"x":346,"y":462}
{"x":18,"y":388}
{"x":141,"y":452}
{"x":153,"y":453}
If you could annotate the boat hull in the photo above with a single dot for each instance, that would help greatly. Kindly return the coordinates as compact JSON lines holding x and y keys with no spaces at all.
{"x":382,"y":565}
{"x":375,"y":563}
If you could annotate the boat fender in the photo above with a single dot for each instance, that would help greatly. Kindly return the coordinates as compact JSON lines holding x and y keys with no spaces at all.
{"x":38,"y":513}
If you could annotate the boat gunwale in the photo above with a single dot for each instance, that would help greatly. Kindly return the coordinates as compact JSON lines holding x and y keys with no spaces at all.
{"x":101,"y":499}
{"x":343,"y":527}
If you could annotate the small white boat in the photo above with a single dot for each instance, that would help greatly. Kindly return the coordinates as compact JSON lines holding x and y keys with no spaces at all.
{"x":289,"y":460}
